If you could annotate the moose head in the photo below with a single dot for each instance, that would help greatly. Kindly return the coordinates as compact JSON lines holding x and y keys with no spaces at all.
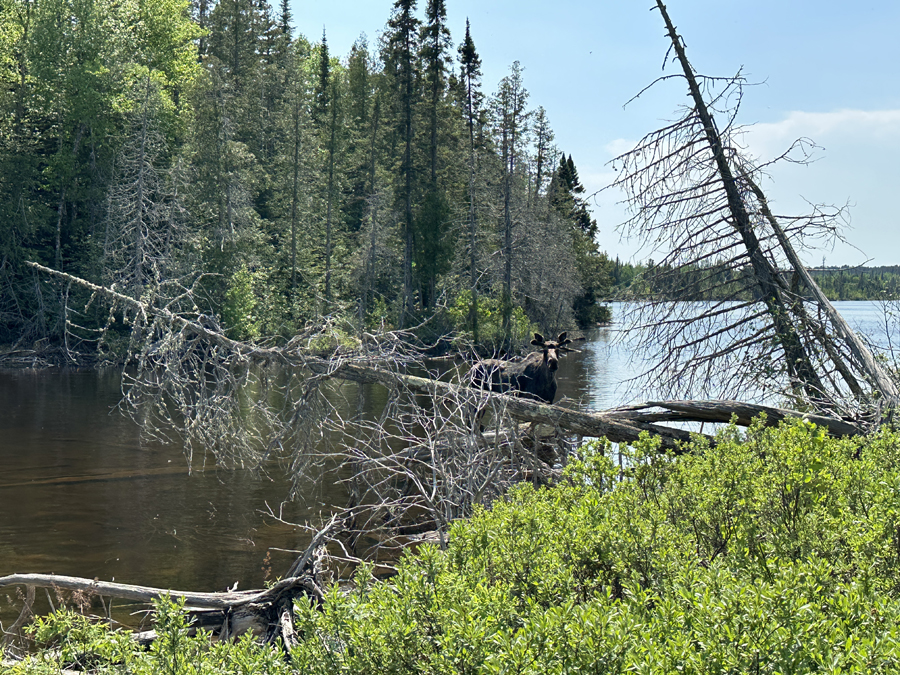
{"x":552,"y":350}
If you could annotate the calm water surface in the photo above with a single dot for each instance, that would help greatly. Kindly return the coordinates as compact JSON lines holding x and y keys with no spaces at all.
{"x":80,"y":495}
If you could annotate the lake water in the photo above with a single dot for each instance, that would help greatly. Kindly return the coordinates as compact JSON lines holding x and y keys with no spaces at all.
{"x":80,"y":495}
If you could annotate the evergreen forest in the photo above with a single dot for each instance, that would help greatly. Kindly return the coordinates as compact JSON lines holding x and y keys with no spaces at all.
{"x":208,"y":158}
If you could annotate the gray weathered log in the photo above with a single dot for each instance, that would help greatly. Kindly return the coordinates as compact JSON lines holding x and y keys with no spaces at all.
{"x":723,"y":411}
{"x":618,"y":426}
{"x":227,"y":600}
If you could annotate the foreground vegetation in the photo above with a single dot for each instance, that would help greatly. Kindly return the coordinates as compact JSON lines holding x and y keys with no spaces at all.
{"x":777,"y":551}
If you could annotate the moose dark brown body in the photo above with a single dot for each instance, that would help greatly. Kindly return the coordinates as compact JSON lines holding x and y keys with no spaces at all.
{"x":532,"y":377}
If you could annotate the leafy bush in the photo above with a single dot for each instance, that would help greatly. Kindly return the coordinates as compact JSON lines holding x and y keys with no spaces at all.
{"x":240,"y":303}
{"x":776,"y":551}
{"x":490,"y":320}
{"x":70,"y":640}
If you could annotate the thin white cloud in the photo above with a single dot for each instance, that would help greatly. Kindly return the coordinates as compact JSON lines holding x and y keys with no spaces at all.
{"x":855,"y":164}
{"x":770,"y":139}
{"x":618,"y":147}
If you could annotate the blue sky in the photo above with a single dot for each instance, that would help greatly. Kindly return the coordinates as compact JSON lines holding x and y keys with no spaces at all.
{"x":828,"y":70}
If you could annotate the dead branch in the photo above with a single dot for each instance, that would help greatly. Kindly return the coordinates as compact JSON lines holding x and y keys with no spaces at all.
{"x":743,"y":414}
{"x":614,"y":425}
{"x":763,"y":327}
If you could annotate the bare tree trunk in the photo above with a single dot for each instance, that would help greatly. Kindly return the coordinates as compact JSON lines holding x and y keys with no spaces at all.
{"x":329,"y":208}
{"x":771,"y":288}
{"x":295,"y":198}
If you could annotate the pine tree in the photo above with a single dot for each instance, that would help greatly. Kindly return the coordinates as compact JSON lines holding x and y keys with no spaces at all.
{"x":509,"y":105}
{"x":322,"y":96}
{"x":470,"y":78}
{"x":233,"y":36}
{"x":402,"y":47}
{"x":432,"y":243}
{"x":333,"y":132}
{"x":358,"y":103}
{"x":543,"y":135}
{"x":435,"y":57}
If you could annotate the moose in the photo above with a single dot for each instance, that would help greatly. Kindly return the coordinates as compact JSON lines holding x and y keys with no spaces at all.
{"x":532,"y":377}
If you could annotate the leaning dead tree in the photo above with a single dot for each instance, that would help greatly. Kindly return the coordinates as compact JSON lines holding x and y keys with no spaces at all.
{"x":765,"y":327}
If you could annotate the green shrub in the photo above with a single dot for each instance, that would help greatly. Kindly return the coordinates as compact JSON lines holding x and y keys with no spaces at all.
{"x":776,"y":551}
{"x":72,"y":641}
{"x":771,"y":552}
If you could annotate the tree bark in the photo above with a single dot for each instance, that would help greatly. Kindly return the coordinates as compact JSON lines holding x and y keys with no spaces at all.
{"x":798,"y":363}
{"x":227,"y":600}
{"x":864,"y":357}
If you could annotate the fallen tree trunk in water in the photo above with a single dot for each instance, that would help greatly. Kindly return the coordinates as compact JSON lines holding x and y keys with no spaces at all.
{"x":227,"y":601}
{"x":264,"y":613}
{"x":619,"y":425}
{"x":743,"y":414}
{"x":623,"y":425}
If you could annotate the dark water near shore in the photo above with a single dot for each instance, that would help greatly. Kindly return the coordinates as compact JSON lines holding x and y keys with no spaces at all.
{"x":80,"y":495}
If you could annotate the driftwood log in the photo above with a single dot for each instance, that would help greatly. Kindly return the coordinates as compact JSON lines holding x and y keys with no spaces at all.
{"x":228,"y":600}
{"x":266,"y":612}
{"x":720,"y":411}
{"x":227,"y":614}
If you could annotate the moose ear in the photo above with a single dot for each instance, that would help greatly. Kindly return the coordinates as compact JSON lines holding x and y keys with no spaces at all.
{"x":538,"y":339}
{"x":562,"y":338}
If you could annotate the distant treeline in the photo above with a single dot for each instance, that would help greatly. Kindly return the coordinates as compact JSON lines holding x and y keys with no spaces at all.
{"x":858,"y":283}
{"x":718,"y":282}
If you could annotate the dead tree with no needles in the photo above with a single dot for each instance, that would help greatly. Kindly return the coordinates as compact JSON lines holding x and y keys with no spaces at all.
{"x":769,"y":329}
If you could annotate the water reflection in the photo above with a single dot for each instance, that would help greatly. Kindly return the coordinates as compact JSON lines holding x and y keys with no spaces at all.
{"x":80,"y":495}
{"x":593,"y":375}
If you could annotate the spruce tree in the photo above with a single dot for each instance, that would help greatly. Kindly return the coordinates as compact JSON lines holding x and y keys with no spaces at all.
{"x":511,"y":117}
{"x":401,"y":60}
{"x":432,"y":243}
{"x":358,"y":102}
{"x":470,"y":79}
{"x":322,"y":96}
